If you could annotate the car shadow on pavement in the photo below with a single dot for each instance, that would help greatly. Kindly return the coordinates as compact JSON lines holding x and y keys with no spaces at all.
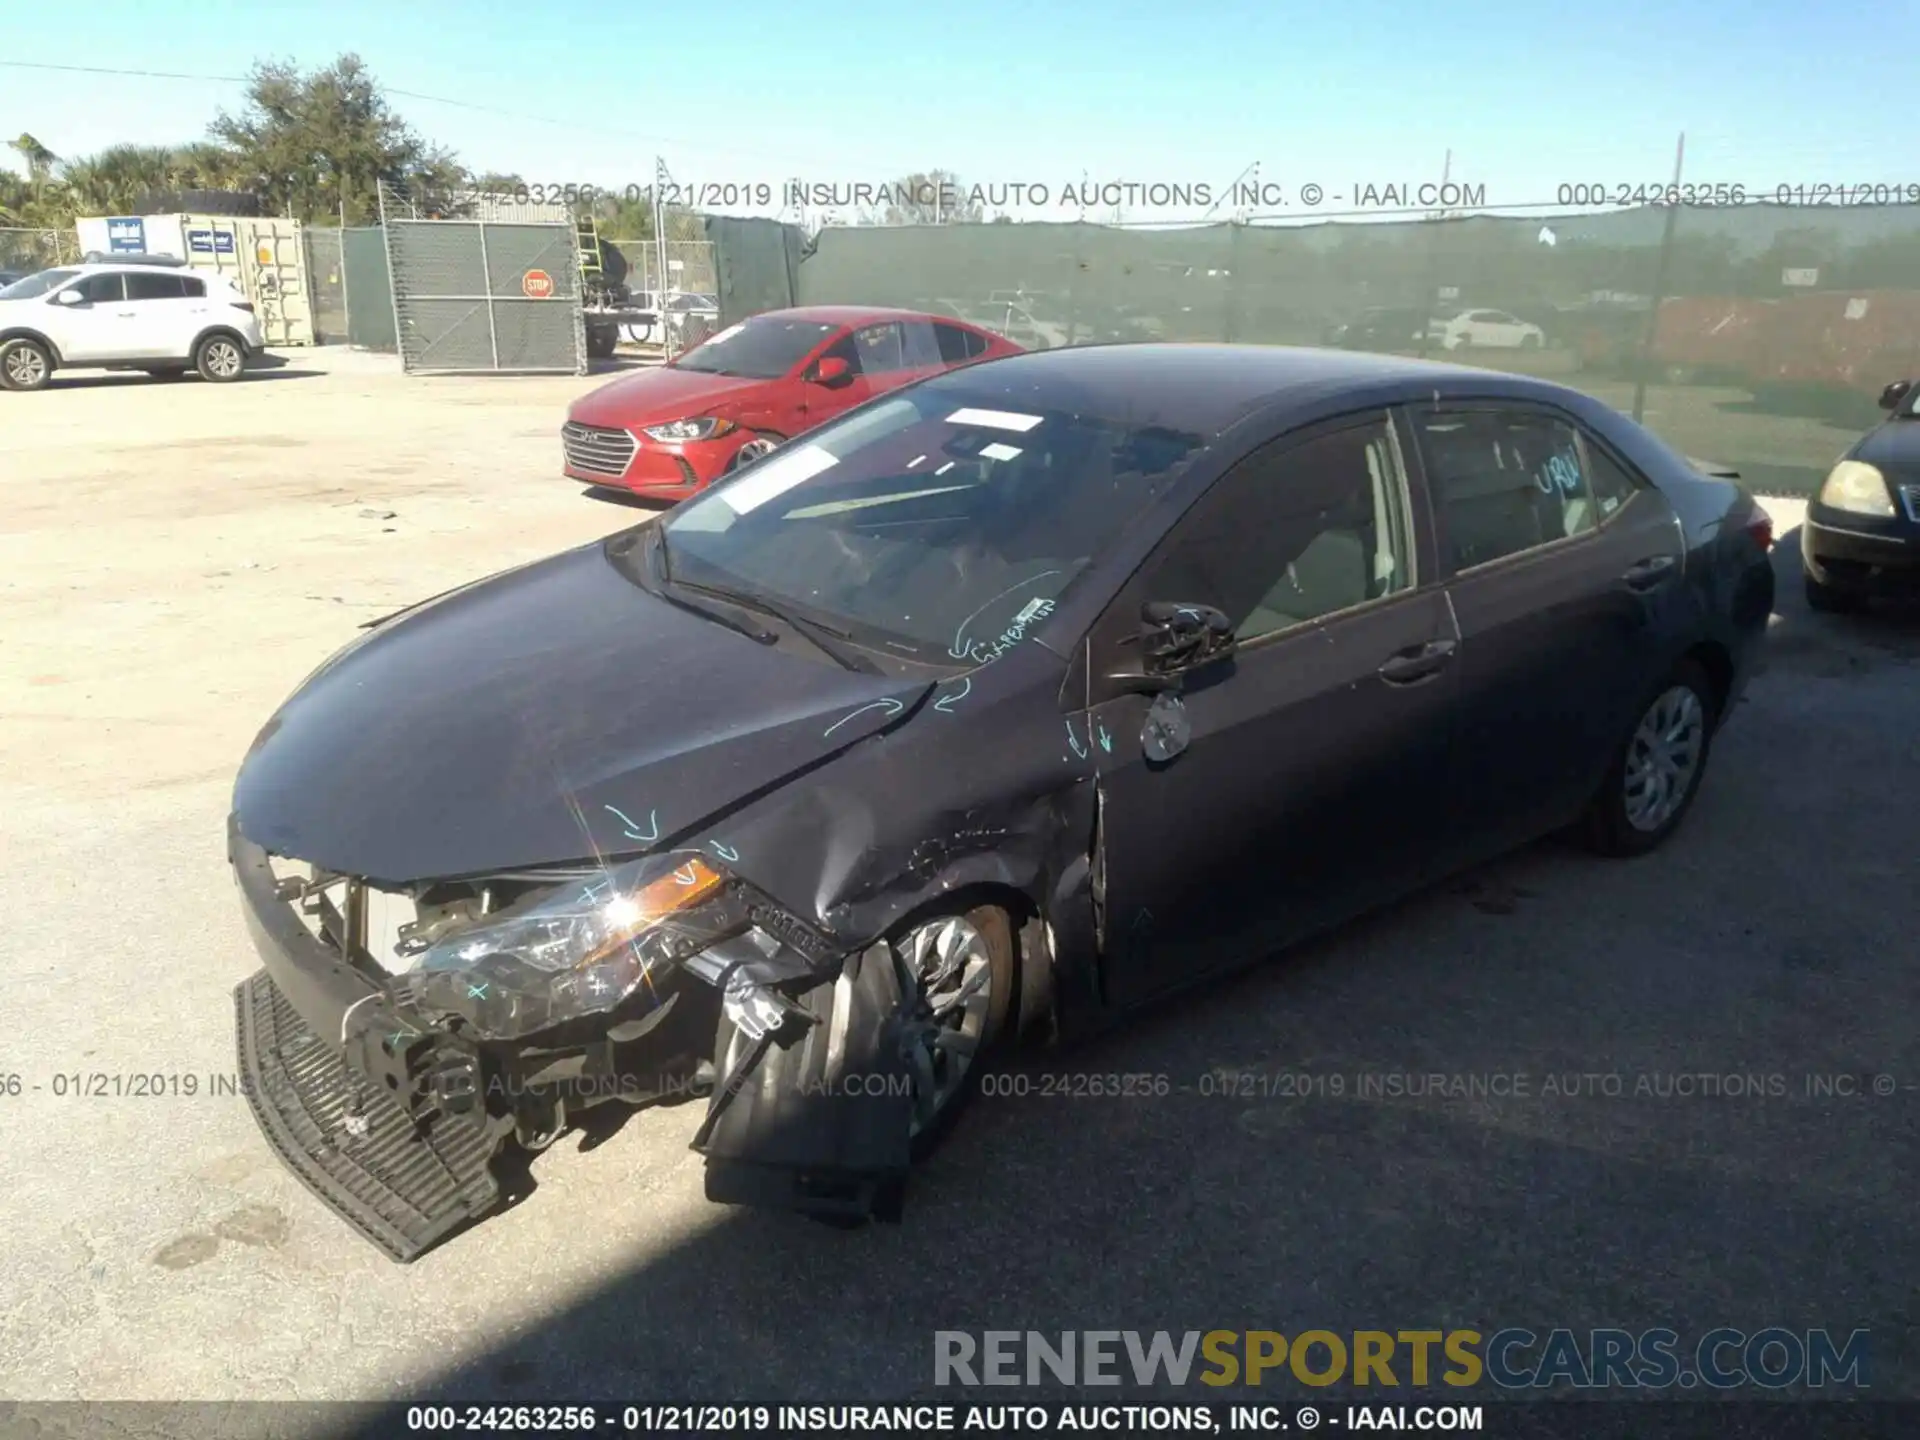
{"x":628,"y":499}
{"x":58,"y":381}
{"x":1410,"y":1123}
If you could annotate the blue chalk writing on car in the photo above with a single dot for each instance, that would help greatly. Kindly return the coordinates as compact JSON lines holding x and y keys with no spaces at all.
{"x":891,"y":706}
{"x":946,"y":703}
{"x":725,"y":852}
{"x":1074,"y":741}
{"x":633,"y":830}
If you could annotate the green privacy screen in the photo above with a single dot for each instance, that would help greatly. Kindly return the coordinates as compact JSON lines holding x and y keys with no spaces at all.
{"x":1759,"y":334}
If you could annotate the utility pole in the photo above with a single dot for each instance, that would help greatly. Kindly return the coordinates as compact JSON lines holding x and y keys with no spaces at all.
{"x":1432,"y":300}
{"x":1659,"y":286}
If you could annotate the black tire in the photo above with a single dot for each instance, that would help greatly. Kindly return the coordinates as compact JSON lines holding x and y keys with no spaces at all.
{"x":601,"y":340}
{"x":1529,"y":342}
{"x":25,"y":365}
{"x":220,"y":359}
{"x":1828,"y":600}
{"x":1607,"y":827}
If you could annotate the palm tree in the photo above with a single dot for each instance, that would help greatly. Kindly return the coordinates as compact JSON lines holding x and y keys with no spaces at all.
{"x":118,"y":178}
{"x":40,"y":160}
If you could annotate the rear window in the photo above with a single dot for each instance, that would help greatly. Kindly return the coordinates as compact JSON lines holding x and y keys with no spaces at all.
{"x":156,"y":287}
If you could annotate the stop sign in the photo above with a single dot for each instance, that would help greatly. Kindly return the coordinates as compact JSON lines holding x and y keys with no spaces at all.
{"x":536,"y":285}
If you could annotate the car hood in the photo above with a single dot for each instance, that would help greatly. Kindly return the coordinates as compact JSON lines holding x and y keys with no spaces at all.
{"x":1895,"y":443}
{"x":653,"y":397}
{"x":551,"y":714}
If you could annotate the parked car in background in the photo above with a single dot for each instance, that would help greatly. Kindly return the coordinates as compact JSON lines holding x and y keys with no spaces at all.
{"x":665,"y":432}
{"x":1487,"y":330}
{"x":133,"y":313}
{"x":1014,"y":702}
{"x":1861,"y":535}
{"x":690,"y":319}
{"x":8,"y":277}
{"x":1383,"y":328}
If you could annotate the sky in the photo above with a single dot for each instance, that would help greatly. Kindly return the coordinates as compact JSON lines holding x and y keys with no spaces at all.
{"x":741,"y":98}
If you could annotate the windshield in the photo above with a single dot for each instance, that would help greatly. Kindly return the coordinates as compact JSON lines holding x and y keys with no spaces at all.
{"x":38,"y":284}
{"x":763,"y":348}
{"x":935,"y":522}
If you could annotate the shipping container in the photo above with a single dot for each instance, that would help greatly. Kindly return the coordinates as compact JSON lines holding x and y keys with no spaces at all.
{"x":265,"y":259}
{"x":1825,"y":338}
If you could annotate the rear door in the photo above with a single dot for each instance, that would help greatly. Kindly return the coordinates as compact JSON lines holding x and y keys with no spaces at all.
{"x":161,"y":325}
{"x":1559,"y":560}
{"x":1314,"y":781}
{"x":895,"y":354}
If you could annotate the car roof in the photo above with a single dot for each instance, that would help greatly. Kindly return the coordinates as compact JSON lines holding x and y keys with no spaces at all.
{"x":1206,"y":388}
{"x":854,"y":314}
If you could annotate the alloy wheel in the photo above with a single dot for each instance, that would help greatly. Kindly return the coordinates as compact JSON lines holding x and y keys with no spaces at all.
{"x":26,"y":367}
{"x":753,"y":450}
{"x":946,"y":973}
{"x":223,"y":359}
{"x":1664,"y":757}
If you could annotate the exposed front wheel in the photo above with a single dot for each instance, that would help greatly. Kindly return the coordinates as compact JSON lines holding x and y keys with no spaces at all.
{"x":956,"y":977}
{"x":24,"y":365}
{"x":1653,"y":781}
{"x":219,"y":359}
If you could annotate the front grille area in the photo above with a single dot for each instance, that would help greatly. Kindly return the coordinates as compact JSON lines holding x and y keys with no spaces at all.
{"x":1910,"y":497}
{"x":597,"y":449}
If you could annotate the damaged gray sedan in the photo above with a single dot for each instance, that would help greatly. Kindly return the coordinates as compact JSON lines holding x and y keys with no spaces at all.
{"x":1010,"y":702}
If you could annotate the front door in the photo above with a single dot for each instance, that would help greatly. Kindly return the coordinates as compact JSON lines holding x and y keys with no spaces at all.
{"x":100,"y":327}
{"x":1313,"y":780}
{"x":1560,"y":558}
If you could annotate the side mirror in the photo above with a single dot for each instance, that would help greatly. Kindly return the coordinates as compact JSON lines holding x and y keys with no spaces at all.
{"x":1891,"y":397}
{"x":833,"y":372}
{"x":69,"y":297}
{"x":1177,"y":639}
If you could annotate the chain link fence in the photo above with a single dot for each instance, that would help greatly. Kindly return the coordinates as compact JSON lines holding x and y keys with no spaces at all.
{"x":1754,"y":335}
{"x":24,"y":251}
{"x":484,"y":294}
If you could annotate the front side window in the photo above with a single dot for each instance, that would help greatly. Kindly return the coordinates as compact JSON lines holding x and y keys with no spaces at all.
{"x":1295,"y":532}
{"x":935,"y":524}
{"x":100,"y":289}
{"x":881,"y":348}
{"x":1503,"y":481}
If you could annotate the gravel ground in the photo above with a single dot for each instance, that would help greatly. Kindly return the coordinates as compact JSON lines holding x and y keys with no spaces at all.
{"x":177,"y":557}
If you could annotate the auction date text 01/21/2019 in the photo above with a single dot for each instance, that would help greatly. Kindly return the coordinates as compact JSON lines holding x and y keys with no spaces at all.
{"x":1254,"y":194}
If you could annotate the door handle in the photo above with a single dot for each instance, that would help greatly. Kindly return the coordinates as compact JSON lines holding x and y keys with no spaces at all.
{"x":1410,"y":666}
{"x":1648,"y":574}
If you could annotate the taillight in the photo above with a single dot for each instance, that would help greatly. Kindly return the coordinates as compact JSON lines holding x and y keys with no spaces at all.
{"x":1760,"y":526}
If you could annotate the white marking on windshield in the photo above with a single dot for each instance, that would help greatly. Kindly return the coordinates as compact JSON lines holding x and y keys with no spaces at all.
{"x":916,"y":460}
{"x":997,"y":451}
{"x":996,"y":419}
{"x":944,"y":468}
{"x":774,"y":476}
{"x":837,"y":507}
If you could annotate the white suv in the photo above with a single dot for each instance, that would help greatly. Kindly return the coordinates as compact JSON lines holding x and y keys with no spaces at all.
{"x":148,"y":313}
{"x":1487,"y":330}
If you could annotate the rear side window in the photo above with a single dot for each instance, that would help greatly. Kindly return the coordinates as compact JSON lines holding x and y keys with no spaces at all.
{"x":1504,"y":481}
{"x":1611,"y":483}
{"x":193,"y":287}
{"x":155,"y":287}
{"x":957,"y":344}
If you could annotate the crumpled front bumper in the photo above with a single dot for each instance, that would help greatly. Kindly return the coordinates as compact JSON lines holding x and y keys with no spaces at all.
{"x":382,"y":1121}
{"x":387,"y":1120}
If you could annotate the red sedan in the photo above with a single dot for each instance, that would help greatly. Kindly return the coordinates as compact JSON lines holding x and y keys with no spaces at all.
{"x":666,"y":433}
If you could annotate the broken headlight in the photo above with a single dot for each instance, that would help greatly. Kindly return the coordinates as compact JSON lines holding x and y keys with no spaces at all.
{"x":578,"y":950}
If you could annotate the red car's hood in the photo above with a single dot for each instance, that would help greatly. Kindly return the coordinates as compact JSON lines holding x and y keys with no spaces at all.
{"x":653,"y":397}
